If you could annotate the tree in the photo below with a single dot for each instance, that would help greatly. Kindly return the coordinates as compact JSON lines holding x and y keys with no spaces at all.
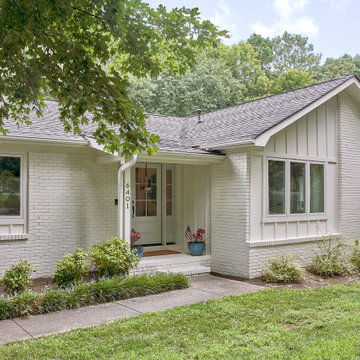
{"x":342,"y":66}
{"x":80,"y":52}
{"x":264,"y":49}
{"x":246,"y":68}
{"x":292,"y":51}
{"x":292,"y":79}
{"x":209,"y":86}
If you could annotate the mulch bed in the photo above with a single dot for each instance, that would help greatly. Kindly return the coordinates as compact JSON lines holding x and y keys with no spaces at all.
{"x":308,"y":282}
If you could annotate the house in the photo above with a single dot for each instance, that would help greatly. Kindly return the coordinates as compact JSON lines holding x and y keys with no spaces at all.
{"x":263,"y":178}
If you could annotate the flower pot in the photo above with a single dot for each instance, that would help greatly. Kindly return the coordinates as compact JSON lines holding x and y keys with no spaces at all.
{"x":139,"y":252}
{"x":196,"y":248}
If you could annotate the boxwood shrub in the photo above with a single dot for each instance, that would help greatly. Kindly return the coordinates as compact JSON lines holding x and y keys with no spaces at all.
{"x":83,"y":294}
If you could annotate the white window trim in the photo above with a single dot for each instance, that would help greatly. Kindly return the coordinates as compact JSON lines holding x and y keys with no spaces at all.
{"x":287,"y":215}
{"x":18,"y":219}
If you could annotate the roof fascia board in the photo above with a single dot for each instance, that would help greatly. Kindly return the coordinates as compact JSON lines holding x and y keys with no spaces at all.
{"x":234,"y":144}
{"x":263,"y":138}
{"x":181,"y":158}
{"x":42,"y":140}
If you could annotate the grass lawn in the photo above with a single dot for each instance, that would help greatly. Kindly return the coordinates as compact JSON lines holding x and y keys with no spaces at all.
{"x":272,"y":324}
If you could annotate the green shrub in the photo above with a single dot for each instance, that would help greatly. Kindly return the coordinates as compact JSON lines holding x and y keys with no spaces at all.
{"x":84,"y":294}
{"x":17,"y":278}
{"x":330,"y":258}
{"x":355,"y":255}
{"x":72,"y":268}
{"x":114,"y":257}
{"x":282,"y":269}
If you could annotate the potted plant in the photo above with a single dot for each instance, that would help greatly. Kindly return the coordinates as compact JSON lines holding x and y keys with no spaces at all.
{"x":138,"y":249}
{"x":196,"y":244}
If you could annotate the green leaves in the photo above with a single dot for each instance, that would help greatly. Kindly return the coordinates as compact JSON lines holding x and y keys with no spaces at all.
{"x":17,"y":278}
{"x":81,"y":52}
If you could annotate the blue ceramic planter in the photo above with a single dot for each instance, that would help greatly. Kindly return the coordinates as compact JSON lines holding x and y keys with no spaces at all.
{"x":196,"y":248}
{"x":139,"y":252}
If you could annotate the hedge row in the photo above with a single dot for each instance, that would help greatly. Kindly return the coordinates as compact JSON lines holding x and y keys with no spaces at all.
{"x":84,"y":294}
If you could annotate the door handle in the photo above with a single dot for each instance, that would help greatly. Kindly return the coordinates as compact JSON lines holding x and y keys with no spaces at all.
{"x":133,"y":208}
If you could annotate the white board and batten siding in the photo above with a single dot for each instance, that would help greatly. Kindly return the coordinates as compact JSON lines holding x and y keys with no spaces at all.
{"x":311,"y":138}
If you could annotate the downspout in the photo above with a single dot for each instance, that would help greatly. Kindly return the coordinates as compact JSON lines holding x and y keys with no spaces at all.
{"x":121,"y":170}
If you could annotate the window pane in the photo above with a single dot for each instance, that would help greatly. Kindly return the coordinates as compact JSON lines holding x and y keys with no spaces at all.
{"x":151,"y":208}
{"x":143,"y":175}
{"x":140,"y":208}
{"x":316,"y":188}
{"x":168,"y":176}
{"x":276,"y":177}
{"x":297,"y":188}
{"x":9,"y":186}
{"x":140,"y":192}
{"x":168,"y":192}
{"x":168,"y":207}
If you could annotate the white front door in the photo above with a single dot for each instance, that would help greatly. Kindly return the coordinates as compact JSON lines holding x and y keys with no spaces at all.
{"x":147,"y":203}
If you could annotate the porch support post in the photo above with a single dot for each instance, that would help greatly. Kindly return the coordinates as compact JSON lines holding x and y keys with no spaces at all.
{"x":128,"y":205}
{"x":124,"y":202}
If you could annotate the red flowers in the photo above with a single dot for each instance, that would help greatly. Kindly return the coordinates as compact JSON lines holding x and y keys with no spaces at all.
{"x":198,"y":237}
{"x":134,"y":237}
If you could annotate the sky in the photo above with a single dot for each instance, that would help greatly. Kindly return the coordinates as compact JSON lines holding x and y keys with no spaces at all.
{"x":332,"y":26}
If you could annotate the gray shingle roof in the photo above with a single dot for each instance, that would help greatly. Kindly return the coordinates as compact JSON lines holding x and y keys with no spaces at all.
{"x":249,"y":120}
{"x":186,"y":135}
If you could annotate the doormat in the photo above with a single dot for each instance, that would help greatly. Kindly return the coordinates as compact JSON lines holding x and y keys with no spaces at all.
{"x":160,"y":252}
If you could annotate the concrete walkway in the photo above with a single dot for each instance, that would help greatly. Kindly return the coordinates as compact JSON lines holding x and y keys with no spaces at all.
{"x":202,"y":288}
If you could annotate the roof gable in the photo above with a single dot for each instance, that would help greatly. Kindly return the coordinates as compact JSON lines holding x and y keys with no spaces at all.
{"x":246,"y":122}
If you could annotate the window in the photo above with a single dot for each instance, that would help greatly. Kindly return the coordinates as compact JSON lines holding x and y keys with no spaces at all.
{"x":316,"y":188}
{"x":169,"y":192}
{"x":276,"y":187}
{"x":295,"y":187}
{"x":10,"y":186}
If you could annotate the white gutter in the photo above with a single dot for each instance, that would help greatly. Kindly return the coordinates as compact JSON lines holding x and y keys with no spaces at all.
{"x":121,"y":170}
{"x":44,"y":140}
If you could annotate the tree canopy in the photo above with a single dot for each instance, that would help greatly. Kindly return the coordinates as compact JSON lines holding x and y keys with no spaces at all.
{"x":82,"y":52}
{"x":228,"y":75}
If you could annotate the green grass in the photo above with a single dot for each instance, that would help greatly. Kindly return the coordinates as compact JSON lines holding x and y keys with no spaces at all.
{"x":88,"y":293}
{"x":272,"y":324}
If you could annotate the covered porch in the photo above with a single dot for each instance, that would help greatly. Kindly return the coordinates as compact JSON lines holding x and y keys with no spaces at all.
{"x":164,"y":194}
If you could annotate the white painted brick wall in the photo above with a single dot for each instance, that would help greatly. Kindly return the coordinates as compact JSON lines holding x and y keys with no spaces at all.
{"x":258,"y":257}
{"x":70,"y":204}
{"x":230,"y":204}
{"x":349,"y":167}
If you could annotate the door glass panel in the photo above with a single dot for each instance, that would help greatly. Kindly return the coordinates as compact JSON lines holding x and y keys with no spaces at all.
{"x":297,"y":188}
{"x":146,"y":191}
{"x":169,"y":192}
{"x":151,"y":194}
{"x":140,"y":192}
{"x":140,"y":208}
{"x":151,"y":208}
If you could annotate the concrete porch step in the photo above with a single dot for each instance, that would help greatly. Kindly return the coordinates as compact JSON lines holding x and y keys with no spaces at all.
{"x":174,"y":263}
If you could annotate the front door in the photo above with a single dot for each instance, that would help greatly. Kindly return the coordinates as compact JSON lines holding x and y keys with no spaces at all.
{"x":147,"y":203}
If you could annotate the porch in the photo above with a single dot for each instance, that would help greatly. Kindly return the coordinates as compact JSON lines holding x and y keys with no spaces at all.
{"x":162,"y":196}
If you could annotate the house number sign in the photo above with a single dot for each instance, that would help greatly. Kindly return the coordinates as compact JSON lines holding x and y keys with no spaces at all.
{"x":127,"y":195}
